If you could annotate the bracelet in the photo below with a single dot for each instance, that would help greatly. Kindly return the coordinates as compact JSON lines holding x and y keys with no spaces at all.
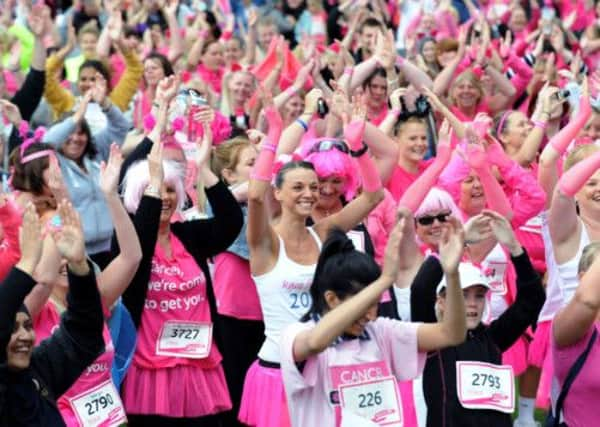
{"x":360,"y":152}
{"x":540,"y":124}
{"x":400,"y":60}
{"x":269,"y":147}
{"x":302,"y":123}
{"x":204,"y":34}
{"x":396,"y":112}
{"x":348,"y":70}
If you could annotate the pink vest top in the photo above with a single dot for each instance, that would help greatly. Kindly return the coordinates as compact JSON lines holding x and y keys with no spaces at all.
{"x":176,"y":325}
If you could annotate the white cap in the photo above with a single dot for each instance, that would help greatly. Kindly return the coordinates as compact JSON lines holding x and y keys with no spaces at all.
{"x":469,"y":274}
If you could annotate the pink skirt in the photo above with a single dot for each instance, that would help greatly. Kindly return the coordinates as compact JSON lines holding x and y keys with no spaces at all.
{"x":516,"y":356}
{"x":263,"y":400}
{"x":540,"y":356}
{"x":179,"y":392}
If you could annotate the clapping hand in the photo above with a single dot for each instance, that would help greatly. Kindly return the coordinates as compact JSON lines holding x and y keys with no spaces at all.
{"x":451,"y":245}
{"x":30,"y":240}
{"x":69,"y":239}
{"x":109,"y":171}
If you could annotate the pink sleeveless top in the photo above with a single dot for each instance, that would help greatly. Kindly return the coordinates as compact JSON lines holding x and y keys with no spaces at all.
{"x":176,"y":325}
{"x":93,"y":399}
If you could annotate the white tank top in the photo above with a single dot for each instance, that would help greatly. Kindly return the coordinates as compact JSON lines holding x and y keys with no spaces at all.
{"x":568,"y":270}
{"x":284,"y":294}
{"x":553,"y":286}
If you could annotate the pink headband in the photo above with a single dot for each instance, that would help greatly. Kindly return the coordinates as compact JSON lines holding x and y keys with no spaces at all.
{"x":502,"y":121}
{"x":38,"y":134}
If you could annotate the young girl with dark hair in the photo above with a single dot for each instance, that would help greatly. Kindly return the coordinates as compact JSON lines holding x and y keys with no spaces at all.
{"x":341,"y":364}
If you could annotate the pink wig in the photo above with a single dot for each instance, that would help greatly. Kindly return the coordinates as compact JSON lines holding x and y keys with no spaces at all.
{"x":333,"y":163}
{"x":137,"y":179}
{"x":453,"y":175}
{"x":436,"y":200}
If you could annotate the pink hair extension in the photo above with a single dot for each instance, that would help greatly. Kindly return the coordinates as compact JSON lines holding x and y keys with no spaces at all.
{"x":452,"y":177}
{"x":436,"y":200}
{"x":137,"y":179}
{"x":333,"y":162}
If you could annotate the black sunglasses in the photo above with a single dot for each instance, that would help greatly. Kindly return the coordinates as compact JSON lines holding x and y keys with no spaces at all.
{"x":428,"y":219}
{"x":330,"y":144}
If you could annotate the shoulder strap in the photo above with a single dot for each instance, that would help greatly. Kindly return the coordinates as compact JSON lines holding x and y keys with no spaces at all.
{"x":573,"y":372}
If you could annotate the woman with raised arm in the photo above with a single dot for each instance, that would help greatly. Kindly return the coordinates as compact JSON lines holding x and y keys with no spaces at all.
{"x":342,"y":350}
{"x":33,"y":377}
{"x":171,"y":298}
{"x":574,"y":331}
{"x":283,"y":256}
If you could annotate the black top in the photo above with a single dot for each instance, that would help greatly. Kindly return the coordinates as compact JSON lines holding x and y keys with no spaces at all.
{"x":484,"y":343}
{"x":28,"y":397}
{"x":202,"y":238}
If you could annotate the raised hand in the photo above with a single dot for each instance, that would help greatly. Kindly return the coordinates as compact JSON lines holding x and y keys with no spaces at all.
{"x":503,"y":231}
{"x":82,"y":107}
{"x":451,"y":245}
{"x":36,"y":21}
{"x":30,"y":240}
{"x":204,"y":146}
{"x":167,"y":89}
{"x":100,"y":90}
{"x":68,"y":234}
{"x":56,"y":183}
{"x":11,"y":112}
{"x":395,"y":98}
{"x":478,"y":228}
{"x":444,"y":147}
{"x":109,"y":171}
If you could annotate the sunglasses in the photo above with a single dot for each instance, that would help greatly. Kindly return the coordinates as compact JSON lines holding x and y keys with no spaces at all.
{"x":428,"y":219}
{"x":330,"y":144}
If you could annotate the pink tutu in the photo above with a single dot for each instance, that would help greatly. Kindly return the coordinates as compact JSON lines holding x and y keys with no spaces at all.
{"x":263,"y":401}
{"x":516,"y":356}
{"x":180,"y":392}
{"x":540,"y":356}
{"x":408,"y":403}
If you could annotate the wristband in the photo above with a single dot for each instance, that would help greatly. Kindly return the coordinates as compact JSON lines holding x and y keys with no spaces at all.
{"x":348,"y":70}
{"x":540,"y":124}
{"x":396,"y":112}
{"x":302,"y":123}
{"x":359,"y":153}
{"x":400,"y":60}
{"x":152,"y":191}
{"x":204,"y":34}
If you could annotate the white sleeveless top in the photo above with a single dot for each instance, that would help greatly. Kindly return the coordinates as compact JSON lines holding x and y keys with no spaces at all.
{"x":554,"y":281}
{"x":284,"y":294}
{"x":568,"y":270}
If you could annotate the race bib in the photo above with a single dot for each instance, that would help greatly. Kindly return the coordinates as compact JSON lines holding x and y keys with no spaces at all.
{"x":185,"y":339}
{"x":358,"y":239}
{"x":377,"y":401}
{"x":485,"y":386}
{"x":100,"y":406}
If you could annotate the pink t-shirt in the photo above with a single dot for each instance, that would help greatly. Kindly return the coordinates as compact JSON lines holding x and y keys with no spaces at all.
{"x":578,"y":409}
{"x":78,"y":405}
{"x":176,"y":317}
{"x":401,"y":179}
{"x":313,"y":393}
{"x":235,"y":289}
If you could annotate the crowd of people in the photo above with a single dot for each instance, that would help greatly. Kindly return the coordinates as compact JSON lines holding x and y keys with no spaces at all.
{"x":299,"y":213}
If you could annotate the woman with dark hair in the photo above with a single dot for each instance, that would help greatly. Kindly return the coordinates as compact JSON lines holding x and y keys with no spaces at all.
{"x":342,"y":350}
{"x":32,"y":378}
{"x":283,"y":256}
{"x":79,"y":154}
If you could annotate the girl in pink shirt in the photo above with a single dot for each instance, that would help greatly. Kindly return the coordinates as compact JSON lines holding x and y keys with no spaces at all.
{"x":211,"y":68}
{"x":342,"y":364}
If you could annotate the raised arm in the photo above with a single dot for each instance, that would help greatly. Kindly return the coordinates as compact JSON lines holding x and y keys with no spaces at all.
{"x":115,"y":278}
{"x":261,"y":239}
{"x":452,"y":329}
{"x":128,"y":85}
{"x":292,"y":135}
{"x":372,"y":192}
{"x":176,"y":40}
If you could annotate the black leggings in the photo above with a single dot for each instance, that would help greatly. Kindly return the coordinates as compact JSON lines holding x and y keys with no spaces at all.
{"x":158,"y":421}
{"x":241,"y":341}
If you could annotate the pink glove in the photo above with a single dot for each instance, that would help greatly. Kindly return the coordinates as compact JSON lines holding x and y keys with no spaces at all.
{"x":353,"y":134}
{"x":562,"y":139}
{"x":575,"y":178}
{"x":263,"y":169}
